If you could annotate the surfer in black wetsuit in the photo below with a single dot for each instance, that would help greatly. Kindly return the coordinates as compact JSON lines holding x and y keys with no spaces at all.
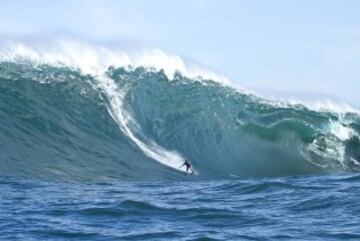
{"x":188,"y":166}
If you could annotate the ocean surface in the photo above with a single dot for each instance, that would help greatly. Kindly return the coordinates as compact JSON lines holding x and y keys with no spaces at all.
{"x":92,"y":149}
{"x":297,"y":208}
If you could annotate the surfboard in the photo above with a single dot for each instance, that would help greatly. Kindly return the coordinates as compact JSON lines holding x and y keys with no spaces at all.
{"x":183,"y":169}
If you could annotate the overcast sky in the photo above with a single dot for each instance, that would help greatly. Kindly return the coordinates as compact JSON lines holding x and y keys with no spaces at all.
{"x":289,"y":48}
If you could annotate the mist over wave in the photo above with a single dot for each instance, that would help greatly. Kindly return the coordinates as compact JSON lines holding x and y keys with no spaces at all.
{"x":78,"y":112}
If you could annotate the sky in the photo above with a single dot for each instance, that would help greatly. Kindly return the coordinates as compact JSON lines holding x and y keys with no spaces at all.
{"x":280,"y":48}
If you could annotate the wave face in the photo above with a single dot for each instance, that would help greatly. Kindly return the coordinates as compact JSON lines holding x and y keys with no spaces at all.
{"x":138,"y":124}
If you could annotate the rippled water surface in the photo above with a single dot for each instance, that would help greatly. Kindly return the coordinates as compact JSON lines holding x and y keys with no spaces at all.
{"x":299,"y":208}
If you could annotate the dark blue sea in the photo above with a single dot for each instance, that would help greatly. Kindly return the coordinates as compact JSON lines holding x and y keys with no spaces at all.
{"x":293,"y":208}
{"x":91,"y":152}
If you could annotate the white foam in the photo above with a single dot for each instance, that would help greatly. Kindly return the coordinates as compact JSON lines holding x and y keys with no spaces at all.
{"x":327,"y":105}
{"x":323,"y":105}
{"x":94,"y":60}
{"x":340,"y":131}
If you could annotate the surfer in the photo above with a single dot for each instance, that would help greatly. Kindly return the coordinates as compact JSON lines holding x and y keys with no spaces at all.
{"x":188,"y":166}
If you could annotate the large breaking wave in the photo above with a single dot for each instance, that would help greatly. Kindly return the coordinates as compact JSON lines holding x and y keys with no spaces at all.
{"x":90,"y":113}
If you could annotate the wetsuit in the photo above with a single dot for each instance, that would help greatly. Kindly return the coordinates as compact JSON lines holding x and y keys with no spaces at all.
{"x":188,"y":165}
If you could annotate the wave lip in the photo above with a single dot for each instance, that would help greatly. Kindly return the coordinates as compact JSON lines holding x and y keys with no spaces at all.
{"x":96,"y":60}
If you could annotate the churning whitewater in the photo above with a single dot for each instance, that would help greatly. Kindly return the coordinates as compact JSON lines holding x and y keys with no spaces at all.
{"x":97,"y":114}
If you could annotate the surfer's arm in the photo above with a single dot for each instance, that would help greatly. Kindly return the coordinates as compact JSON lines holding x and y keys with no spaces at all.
{"x":181,"y":165}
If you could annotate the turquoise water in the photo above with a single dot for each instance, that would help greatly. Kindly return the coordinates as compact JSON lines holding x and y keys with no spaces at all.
{"x":97,"y":156}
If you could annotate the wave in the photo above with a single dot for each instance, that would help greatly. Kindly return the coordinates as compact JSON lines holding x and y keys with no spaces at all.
{"x":77,"y":112}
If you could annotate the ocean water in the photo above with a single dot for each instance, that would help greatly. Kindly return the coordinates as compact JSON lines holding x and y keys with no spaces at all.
{"x":297,"y":208}
{"x":91,"y":147}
